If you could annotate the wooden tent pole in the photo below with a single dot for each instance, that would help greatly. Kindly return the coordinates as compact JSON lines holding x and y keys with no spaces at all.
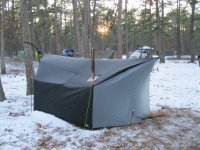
{"x":92,"y":65}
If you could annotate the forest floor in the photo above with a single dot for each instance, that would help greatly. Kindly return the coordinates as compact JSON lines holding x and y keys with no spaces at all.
{"x":173,"y":124}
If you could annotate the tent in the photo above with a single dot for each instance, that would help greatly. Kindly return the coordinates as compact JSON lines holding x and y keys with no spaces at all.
{"x":118,"y":96}
{"x":107,"y":54}
{"x":149,"y":51}
{"x":20,"y":55}
{"x":146,"y":48}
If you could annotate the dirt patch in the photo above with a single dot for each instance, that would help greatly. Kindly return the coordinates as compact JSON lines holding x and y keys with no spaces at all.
{"x":179,"y":129}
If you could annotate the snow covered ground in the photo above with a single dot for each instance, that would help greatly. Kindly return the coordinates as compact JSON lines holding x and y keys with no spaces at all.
{"x":174,"y":93}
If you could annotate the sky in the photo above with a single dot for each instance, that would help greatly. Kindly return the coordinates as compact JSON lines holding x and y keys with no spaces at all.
{"x":174,"y":88}
{"x":135,"y":3}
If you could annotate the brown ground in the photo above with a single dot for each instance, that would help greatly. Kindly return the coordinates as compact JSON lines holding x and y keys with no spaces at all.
{"x":176,"y":129}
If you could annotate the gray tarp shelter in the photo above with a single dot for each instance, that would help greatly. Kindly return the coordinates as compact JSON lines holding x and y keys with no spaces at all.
{"x":107,"y":54}
{"x":119,"y":96}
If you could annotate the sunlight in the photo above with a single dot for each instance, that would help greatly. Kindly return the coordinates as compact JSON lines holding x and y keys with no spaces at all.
{"x":103,"y":27}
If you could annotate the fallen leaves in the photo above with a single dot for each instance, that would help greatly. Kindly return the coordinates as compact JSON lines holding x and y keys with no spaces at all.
{"x":159,"y":113}
{"x":15,"y":114}
{"x":44,"y":141}
{"x":117,"y":145}
{"x":47,"y":142}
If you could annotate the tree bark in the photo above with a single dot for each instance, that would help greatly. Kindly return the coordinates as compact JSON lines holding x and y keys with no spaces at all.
{"x":178,"y":47}
{"x":126,"y":26}
{"x":77,"y":29}
{"x":150,"y":26}
{"x":192,"y":45}
{"x":159,"y":33}
{"x":2,"y":94}
{"x":93,"y":26}
{"x":13,"y":35}
{"x":119,"y":30}
{"x":26,"y":37}
{"x":162,"y":59}
{"x":57,"y":30}
{"x":3,"y":67}
{"x":86,"y":20}
{"x":31,"y":18}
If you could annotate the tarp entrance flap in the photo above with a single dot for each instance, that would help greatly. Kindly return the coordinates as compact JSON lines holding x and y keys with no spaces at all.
{"x":124,"y":98}
{"x":67,"y":103}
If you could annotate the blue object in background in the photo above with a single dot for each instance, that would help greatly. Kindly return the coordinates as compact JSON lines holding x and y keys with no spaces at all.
{"x":68,"y":52}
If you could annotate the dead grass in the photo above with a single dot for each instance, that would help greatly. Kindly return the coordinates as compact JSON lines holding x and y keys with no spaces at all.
{"x":169,"y":128}
{"x":160,"y":113}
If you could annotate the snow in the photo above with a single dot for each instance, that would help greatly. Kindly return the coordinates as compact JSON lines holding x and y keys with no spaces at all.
{"x":174,"y":89}
{"x":177,"y":84}
{"x":146,"y":47}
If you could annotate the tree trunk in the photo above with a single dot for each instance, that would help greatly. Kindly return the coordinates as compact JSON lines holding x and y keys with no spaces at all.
{"x":11,"y":53}
{"x":26,"y":37}
{"x":178,"y":47}
{"x":150,"y":26}
{"x":32,"y":31}
{"x":86,"y":20}
{"x":119,"y":30}
{"x":2,"y":95}
{"x":3,"y":68}
{"x":93,"y":26}
{"x":159,"y":34}
{"x":162,"y":31}
{"x":192,"y":45}
{"x":126,"y":26}
{"x":77,"y":29}
{"x":43,"y":30}
{"x":60,"y":23}
{"x":46,"y":29}
{"x":57,"y":30}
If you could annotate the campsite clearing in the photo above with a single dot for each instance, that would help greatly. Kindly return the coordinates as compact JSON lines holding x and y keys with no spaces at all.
{"x":178,"y":128}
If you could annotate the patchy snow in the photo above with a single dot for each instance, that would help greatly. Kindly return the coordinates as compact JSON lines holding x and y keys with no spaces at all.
{"x":174,"y":90}
{"x":177,"y":84}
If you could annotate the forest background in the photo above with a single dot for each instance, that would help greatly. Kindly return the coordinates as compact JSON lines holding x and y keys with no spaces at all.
{"x":88,"y":25}
{"x":58,"y":24}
